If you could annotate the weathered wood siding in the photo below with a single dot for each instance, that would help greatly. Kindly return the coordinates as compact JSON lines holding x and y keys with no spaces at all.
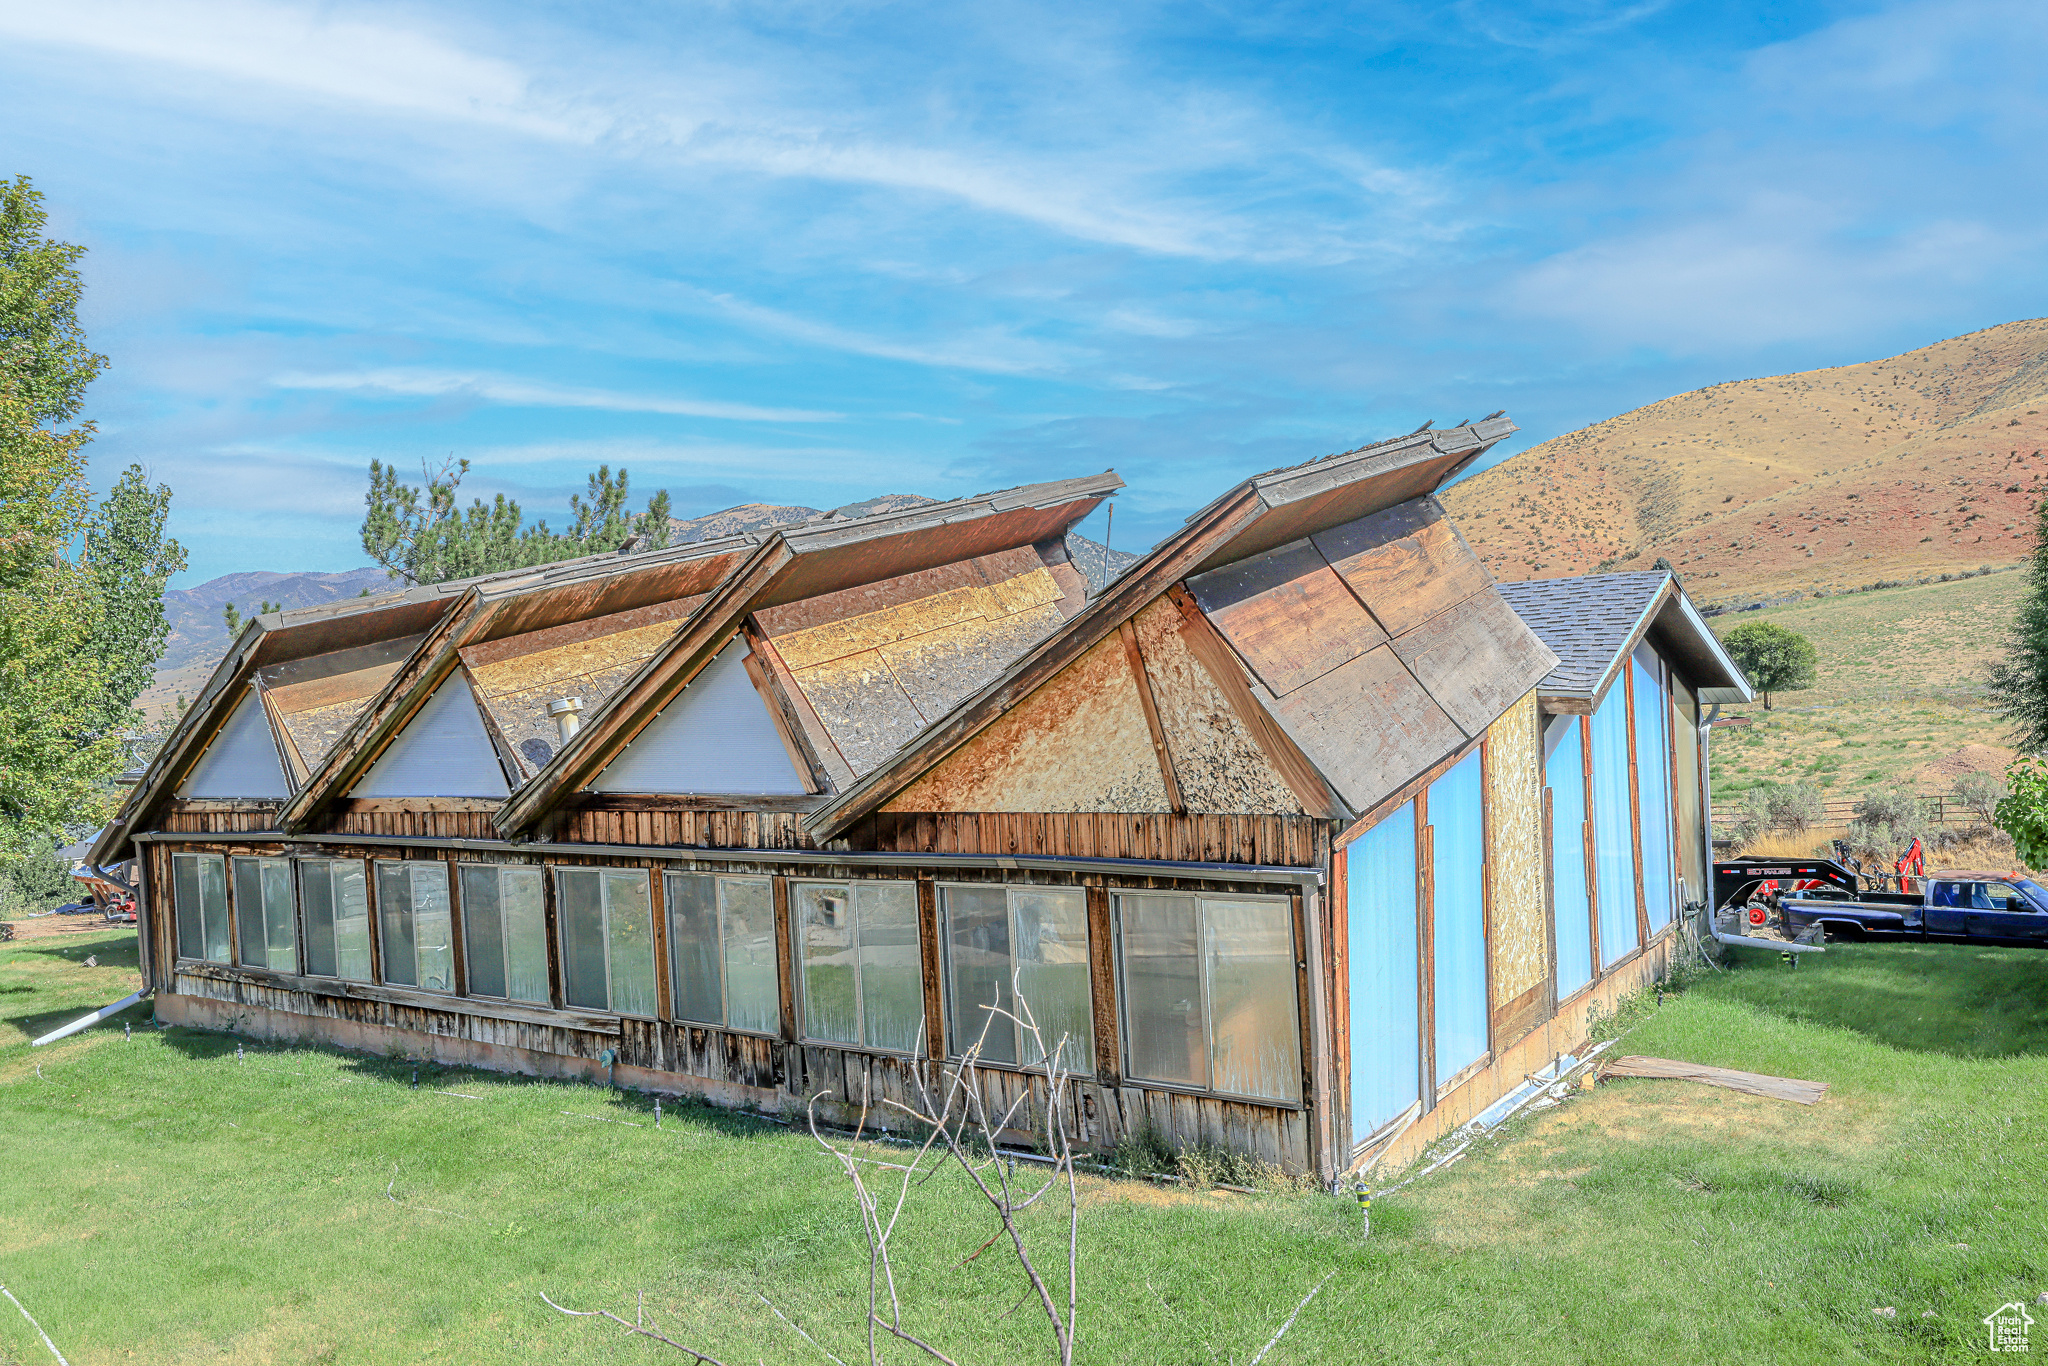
{"x":1289,"y":841}
{"x":722,"y":829}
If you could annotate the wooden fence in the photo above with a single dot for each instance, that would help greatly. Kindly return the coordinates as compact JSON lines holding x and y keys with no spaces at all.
{"x":1940,"y":808}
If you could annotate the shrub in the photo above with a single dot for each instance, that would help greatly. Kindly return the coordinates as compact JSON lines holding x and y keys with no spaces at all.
{"x":1979,"y":793}
{"x":2023,"y":811}
{"x":1796,"y":806}
{"x":1891,"y":808}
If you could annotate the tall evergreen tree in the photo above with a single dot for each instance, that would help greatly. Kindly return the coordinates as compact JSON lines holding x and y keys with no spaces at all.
{"x":2019,"y":681}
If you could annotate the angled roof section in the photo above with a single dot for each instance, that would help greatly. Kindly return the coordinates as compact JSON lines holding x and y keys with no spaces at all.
{"x":1593,"y":621}
{"x":1273,"y":512}
{"x":882,"y":616}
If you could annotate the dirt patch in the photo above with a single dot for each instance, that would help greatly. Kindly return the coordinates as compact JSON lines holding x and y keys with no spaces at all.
{"x":61,"y":926}
{"x":1939,"y":775}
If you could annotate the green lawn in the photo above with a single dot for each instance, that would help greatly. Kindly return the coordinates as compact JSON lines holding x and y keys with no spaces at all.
{"x":165,"y":1203}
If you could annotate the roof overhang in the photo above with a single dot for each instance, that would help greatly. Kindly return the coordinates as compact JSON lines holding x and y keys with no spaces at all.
{"x":1672,"y":625}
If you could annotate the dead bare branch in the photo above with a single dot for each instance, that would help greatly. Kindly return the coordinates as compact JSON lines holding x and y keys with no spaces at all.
{"x":633,"y":1328}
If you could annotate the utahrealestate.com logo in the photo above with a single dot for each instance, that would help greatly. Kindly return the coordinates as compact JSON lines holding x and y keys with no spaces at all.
{"x":2007,"y":1327}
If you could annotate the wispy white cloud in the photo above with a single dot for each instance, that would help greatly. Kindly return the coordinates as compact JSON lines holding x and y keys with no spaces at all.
{"x":426,"y":383}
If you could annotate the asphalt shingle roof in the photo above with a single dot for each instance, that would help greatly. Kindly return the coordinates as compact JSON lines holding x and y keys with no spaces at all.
{"x":1585,"y":621}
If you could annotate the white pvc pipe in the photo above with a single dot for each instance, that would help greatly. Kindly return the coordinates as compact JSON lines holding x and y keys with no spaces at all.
{"x":105,"y":1012}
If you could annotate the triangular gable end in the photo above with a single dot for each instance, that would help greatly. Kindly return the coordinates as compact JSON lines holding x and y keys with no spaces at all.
{"x":242,"y":761}
{"x":715,"y":737}
{"x":442,"y":752}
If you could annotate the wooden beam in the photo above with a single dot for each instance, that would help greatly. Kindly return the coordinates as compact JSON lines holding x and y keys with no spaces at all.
{"x":1136,"y":658}
{"x":695,"y":801}
{"x":785,"y":961}
{"x":929,"y":957}
{"x":1551,"y":705}
{"x":1208,"y":646}
{"x":788,"y":728}
{"x":1102,"y":987}
{"x":294,"y":763}
{"x":1425,"y":958}
{"x":1586,"y":829}
{"x":362,"y":806}
{"x":838,"y":774}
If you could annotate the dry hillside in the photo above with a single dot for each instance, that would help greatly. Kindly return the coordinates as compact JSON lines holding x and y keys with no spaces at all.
{"x":1921,"y":464}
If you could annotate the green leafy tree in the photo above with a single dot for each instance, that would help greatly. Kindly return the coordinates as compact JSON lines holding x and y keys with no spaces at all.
{"x":422,"y":534}
{"x":42,"y":347}
{"x":56,"y":750}
{"x":2019,"y":681}
{"x":1773,"y":658}
{"x":131,"y":562}
{"x":2023,"y":811}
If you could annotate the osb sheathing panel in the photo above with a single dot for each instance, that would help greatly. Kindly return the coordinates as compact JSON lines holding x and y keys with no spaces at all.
{"x":316,"y":730}
{"x":516,"y":691}
{"x":1219,"y":766}
{"x":1514,"y":842}
{"x":877,"y":678}
{"x":1079,"y":742}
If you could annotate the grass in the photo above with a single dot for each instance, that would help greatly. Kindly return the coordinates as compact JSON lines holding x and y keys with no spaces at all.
{"x":1899,"y":684}
{"x":166,"y":1203}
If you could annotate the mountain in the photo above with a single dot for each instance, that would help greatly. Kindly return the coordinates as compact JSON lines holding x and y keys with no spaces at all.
{"x":199,"y":636}
{"x":1921,"y":464}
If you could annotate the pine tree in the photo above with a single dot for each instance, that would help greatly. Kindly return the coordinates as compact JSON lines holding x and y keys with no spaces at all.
{"x":2019,"y":682}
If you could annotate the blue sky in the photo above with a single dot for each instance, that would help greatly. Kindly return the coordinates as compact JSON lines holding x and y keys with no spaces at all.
{"x":810,"y":252}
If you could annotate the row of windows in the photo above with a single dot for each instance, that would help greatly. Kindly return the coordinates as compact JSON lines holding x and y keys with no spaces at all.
{"x":1206,"y":985}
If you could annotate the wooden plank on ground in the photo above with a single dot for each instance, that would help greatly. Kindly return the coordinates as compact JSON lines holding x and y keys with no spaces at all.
{"x":1751,"y":1083}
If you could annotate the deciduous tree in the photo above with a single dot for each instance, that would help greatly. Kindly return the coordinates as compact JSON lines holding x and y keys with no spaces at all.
{"x":1775,"y":659}
{"x":42,"y":347}
{"x":131,"y":562}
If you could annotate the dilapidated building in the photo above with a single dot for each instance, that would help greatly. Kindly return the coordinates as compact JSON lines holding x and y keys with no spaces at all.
{"x":1297,"y":830}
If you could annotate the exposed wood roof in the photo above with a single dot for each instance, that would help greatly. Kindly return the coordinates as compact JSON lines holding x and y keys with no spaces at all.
{"x":893,"y":582}
{"x":1261,"y":514}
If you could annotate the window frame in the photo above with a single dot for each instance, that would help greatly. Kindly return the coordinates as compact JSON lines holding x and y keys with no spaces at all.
{"x":1084,"y":1068}
{"x":720,"y":881}
{"x":1123,"y":1003}
{"x":413,"y":868}
{"x":228,"y":935}
{"x":462,"y":872}
{"x":326,"y":867}
{"x":799,"y":974}
{"x":235,"y":863}
{"x":603,"y":872}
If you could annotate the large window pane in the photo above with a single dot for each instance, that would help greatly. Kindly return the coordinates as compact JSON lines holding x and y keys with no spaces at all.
{"x":394,"y":924}
{"x":978,"y":972}
{"x":316,"y":894}
{"x":753,"y":995}
{"x":1458,"y":878}
{"x":1564,"y":773}
{"x":1653,"y":784}
{"x":693,"y":948}
{"x":579,"y":911}
{"x":483,"y":930}
{"x":522,"y":894}
{"x":280,"y":921}
{"x":629,"y":933}
{"x":504,"y":929}
{"x":1050,"y":938}
{"x":891,"y":967}
{"x":199,"y":889}
{"x":1255,"y":1037}
{"x":351,"y":920}
{"x":1614,"y":854}
{"x":831,"y":959}
{"x":415,"y":930}
{"x":863,"y":979}
{"x":1162,"y":972}
{"x":263,"y":914}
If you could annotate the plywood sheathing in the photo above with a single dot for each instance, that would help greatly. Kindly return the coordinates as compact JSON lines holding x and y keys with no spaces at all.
{"x":1219,"y":765}
{"x":1079,"y":742}
{"x":1380,"y":645}
{"x":879,"y":662}
{"x":515,"y":688}
{"x":1514,"y":845}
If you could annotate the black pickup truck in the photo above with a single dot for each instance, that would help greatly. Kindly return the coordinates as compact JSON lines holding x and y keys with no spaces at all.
{"x":1983,"y":908}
